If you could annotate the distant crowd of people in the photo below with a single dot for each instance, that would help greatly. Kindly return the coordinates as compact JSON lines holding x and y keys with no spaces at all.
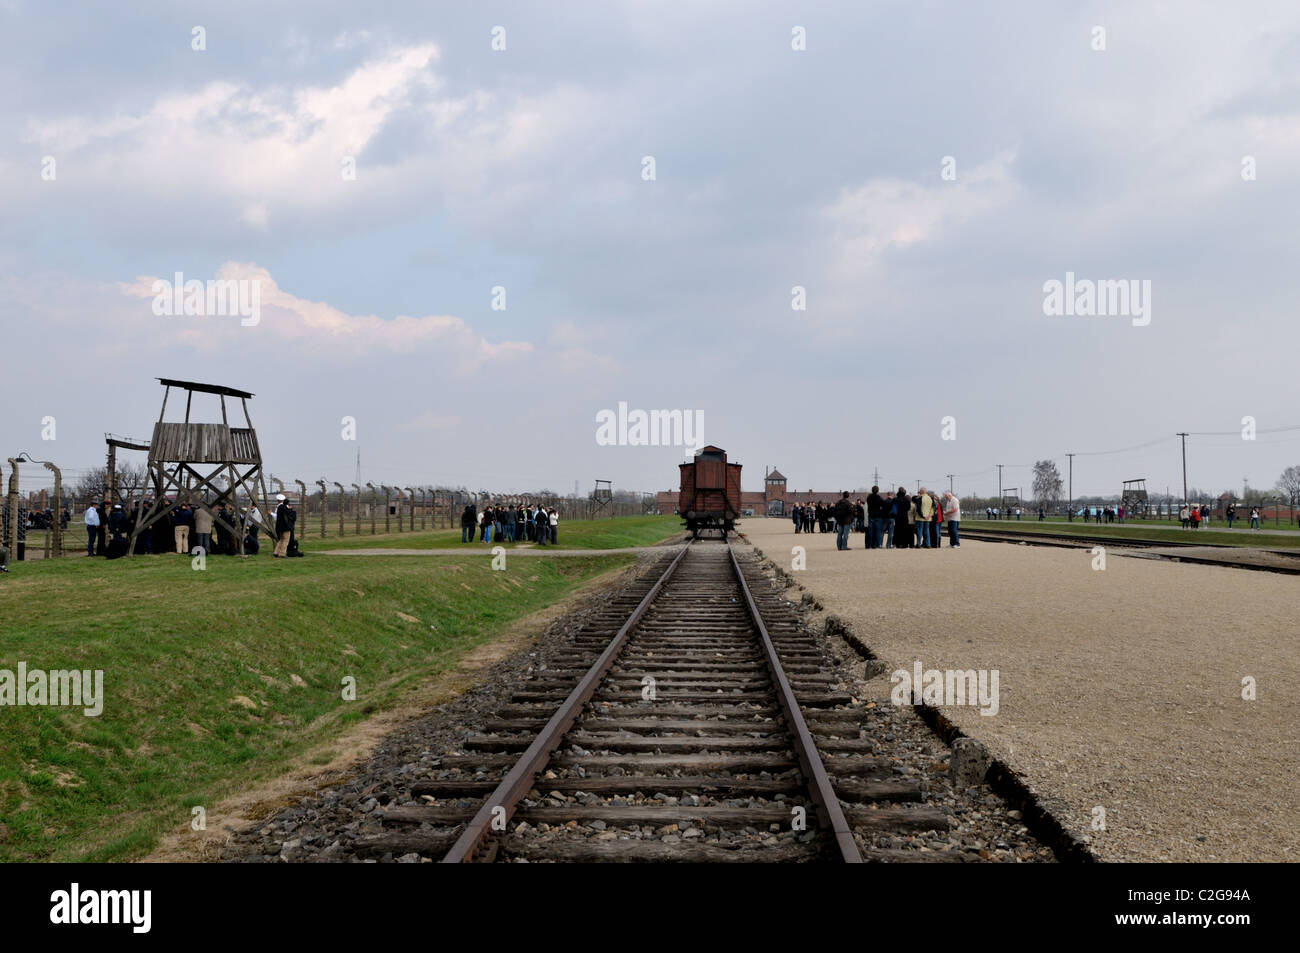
{"x":1009,"y":513}
{"x":1104,"y":514}
{"x":510,"y":523}
{"x":182,"y":527}
{"x":44,"y":519}
{"x":892,"y":520}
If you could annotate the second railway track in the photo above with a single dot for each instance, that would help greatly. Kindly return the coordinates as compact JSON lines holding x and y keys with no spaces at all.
{"x":1272,"y":560}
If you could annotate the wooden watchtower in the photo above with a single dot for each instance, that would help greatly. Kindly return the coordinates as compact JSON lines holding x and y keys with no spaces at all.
{"x":186,"y":458}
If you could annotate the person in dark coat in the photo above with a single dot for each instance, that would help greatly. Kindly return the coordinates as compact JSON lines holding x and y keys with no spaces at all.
{"x":163,"y":541}
{"x":843,"y":520}
{"x":285,"y":517}
{"x":224,"y":539}
{"x":104,"y":510}
{"x":875,"y":518}
{"x":467,"y":520}
{"x":903,"y":527}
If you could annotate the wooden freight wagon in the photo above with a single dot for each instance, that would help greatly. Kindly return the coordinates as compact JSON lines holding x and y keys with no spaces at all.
{"x":710,"y":492}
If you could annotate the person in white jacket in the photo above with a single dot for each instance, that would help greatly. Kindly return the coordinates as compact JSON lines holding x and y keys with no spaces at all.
{"x":92,"y":528}
{"x":952,"y":516}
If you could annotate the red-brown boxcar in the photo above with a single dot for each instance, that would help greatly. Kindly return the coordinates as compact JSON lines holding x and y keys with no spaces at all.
{"x":710,"y":493}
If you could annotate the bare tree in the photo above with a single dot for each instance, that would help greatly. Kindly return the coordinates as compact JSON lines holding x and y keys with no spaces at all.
{"x":1047,"y":481}
{"x":1288,"y":484}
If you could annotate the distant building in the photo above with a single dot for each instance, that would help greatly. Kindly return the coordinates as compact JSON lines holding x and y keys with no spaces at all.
{"x":775,"y":500}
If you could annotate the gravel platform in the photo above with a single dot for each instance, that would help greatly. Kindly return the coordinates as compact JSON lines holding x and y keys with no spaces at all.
{"x":1120,"y":689}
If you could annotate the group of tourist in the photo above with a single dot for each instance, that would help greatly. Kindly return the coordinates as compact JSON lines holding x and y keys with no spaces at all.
{"x":1103,"y":514}
{"x":1010,"y":513}
{"x":510,"y":522}
{"x":183,"y":527}
{"x":892,"y":520}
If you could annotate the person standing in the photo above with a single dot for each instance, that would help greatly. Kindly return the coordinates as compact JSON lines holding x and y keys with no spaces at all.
{"x":875,"y":518}
{"x":1185,"y":515}
{"x":117,"y":523}
{"x":184,"y":527}
{"x":554,"y":518}
{"x":104,"y":510}
{"x":843,"y":521}
{"x":903,"y":530}
{"x":1231,"y":514}
{"x":203,"y":529}
{"x":1254,"y":517}
{"x":542,"y":526}
{"x":924,"y":516}
{"x":888,"y":510}
{"x":92,"y":528}
{"x":222,"y":521}
{"x":952,"y":513}
{"x":284,"y":519}
{"x":467,"y":523}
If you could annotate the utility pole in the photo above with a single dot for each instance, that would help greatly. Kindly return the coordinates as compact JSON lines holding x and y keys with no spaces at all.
{"x":1184,"y":436}
{"x":1071,"y":456}
{"x":875,"y":477}
{"x":1000,"y":483}
{"x":950,"y":489}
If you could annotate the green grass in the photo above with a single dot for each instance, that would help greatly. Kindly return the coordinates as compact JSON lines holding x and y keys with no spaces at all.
{"x":177,"y":646}
{"x":575,"y":534}
{"x":1159,"y":532}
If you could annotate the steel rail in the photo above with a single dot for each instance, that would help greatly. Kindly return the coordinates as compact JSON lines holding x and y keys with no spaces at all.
{"x":519,"y":780}
{"x":1137,"y":542}
{"x":829,"y":811}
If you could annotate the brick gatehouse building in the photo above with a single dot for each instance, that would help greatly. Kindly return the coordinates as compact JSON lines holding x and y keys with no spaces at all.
{"x":773,"y":501}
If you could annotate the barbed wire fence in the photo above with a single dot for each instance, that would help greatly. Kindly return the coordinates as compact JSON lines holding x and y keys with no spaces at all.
{"x":50,"y":523}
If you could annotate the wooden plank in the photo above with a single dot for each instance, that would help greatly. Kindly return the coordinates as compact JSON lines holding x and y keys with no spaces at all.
{"x":591,"y":851}
{"x":432,"y":843}
{"x":896,"y":818}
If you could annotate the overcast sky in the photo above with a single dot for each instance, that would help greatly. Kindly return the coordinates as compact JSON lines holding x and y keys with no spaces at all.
{"x":523,"y":168}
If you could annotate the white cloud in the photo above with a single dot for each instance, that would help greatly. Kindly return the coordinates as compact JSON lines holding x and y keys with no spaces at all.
{"x":887,"y":213}
{"x":318,"y":326}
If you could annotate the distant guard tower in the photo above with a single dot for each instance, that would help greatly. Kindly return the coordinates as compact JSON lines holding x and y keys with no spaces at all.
{"x":186,"y":458}
{"x":602,"y":496}
{"x":1134,"y":497}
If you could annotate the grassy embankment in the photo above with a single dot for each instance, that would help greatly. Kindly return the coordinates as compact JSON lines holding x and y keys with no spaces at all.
{"x":577,"y":534}
{"x":215,"y":680}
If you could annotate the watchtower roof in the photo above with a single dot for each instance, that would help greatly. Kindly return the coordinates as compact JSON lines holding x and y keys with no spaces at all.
{"x":205,"y":388}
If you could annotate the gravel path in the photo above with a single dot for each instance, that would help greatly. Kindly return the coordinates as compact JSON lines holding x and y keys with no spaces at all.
{"x":1119,"y":689}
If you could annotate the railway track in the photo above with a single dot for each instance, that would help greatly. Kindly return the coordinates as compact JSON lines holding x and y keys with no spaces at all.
{"x":695,"y":704}
{"x":1287,"y":562}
